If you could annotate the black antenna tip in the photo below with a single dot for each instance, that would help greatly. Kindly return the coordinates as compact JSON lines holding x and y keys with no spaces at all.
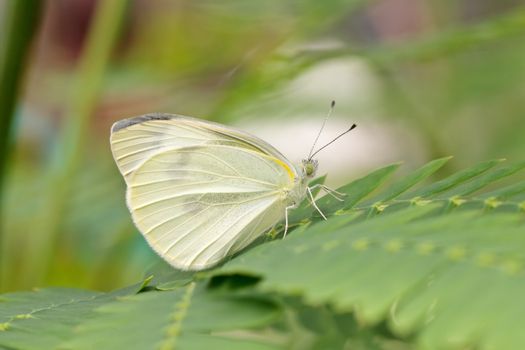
{"x":352,"y":127}
{"x":332,"y":105}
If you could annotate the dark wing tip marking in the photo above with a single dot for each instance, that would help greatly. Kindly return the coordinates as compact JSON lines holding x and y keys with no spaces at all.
{"x":126,"y":123}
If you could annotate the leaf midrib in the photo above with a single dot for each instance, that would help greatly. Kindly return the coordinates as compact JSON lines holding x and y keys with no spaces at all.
{"x":177,"y":318}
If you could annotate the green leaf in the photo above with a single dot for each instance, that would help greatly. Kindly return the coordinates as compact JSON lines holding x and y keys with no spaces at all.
{"x":485,"y":179}
{"x":186,"y":318}
{"x":356,"y":190}
{"x":165,"y":277}
{"x":44,"y":318}
{"x":411,"y":180}
{"x":506,"y":192}
{"x":454,"y":180}
{"x":319,"y":327}
{"x":397,"y":266}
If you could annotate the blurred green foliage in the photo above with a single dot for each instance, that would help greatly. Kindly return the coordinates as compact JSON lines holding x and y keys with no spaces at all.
{"x":447,"y":73}
{"x":21,"y":20}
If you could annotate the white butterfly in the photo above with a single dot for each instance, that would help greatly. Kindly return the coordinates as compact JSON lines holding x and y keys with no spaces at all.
{"x":199,"y":191}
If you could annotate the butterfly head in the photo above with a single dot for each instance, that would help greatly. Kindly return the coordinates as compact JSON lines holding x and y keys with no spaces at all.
{"x":309,"y":167}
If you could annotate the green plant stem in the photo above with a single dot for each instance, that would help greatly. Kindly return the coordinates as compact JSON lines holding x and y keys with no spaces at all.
{"x":85,"y":94}
{"x":21,"y":21}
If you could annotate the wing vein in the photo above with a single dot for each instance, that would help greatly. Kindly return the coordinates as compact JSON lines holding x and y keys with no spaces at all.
{"x":176,"y":186}
{"x":168,"y":208}
{"x":231,"y":225}
{"x":205,"y":203}
{"x":176,"y":227}
{"x":202,"y":172}
{"x":190,"y":231}
{"x":206,"y":154}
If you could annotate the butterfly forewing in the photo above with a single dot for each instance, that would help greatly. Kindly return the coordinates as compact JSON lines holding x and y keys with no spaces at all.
{"x":135,"y":140}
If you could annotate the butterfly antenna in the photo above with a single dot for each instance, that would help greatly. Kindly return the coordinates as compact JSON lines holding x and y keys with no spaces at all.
{"x":329,"y":143}
{"x":332,"y":105}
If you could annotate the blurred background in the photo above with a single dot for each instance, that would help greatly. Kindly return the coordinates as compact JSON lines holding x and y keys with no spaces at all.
{"x":422,"y":79}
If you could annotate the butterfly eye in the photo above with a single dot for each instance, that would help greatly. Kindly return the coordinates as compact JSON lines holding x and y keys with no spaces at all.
{"x":309,"y":167}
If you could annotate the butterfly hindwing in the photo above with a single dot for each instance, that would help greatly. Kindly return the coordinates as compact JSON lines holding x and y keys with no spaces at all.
{"x":196,"y":205}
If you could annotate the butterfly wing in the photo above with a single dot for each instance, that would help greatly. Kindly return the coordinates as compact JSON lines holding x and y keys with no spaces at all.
{"x":197,"y":205}
{"x":135,"y":140}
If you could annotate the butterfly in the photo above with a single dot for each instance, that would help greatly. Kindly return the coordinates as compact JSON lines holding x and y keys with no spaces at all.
{"x":200,"y":191}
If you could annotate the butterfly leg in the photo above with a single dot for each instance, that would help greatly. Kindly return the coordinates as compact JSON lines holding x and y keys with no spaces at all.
{"x":330,"y":191}
{"x":286,"y":219}
{"x":311,"y":196}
